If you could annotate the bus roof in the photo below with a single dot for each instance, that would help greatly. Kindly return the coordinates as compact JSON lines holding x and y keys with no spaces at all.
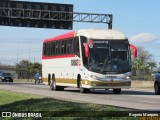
{"x":92,"y":34}
{"x":63,"y":36}
{"x":101,"y":34}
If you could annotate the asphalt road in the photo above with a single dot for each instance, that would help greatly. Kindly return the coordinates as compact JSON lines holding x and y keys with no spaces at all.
{"x":136,"y":98}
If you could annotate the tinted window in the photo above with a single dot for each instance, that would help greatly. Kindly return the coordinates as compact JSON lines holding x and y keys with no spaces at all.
{"x":60,"y":47}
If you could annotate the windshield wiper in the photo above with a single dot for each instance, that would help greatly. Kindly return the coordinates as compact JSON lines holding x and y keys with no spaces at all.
{"x":113,"y":60}
{"x":104,"y":64}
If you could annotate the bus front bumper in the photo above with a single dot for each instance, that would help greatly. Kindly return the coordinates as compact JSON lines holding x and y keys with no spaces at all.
{"x":106,"y":85}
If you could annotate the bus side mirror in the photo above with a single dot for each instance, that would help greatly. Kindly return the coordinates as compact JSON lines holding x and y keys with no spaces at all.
{"x":86,"y":50}
{"x":133,"y":51}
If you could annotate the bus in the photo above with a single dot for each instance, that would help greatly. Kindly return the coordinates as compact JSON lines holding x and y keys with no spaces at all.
{"x":88,"y":59}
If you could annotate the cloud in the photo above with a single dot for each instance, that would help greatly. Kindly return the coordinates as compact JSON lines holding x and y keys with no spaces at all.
{"x":149,"y":42}
{"x":143,"y":38}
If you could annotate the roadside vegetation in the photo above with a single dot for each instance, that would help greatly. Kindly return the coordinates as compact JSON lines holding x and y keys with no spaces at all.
{"x":144,"y":66}
{"x":49,"y":107}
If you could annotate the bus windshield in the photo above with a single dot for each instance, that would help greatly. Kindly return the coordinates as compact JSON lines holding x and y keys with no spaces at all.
{"x":108,"y":56}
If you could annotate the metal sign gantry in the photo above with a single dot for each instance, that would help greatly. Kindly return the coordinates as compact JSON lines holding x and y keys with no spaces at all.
{"x":10,"y":15}
{"x":46,"y":15}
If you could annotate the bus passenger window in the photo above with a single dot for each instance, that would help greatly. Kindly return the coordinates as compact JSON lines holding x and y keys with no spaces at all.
{"x":68,"y":46}
{"x":72,"y":46}
{"x":60,"y":48}
{"x":47,"y":49}
{"x":76,"y":46}
{"x":65,"y":45}
{"x":54,"y":48}
{"x":56,"y":44}
{"x":44,"y":49}
{"x":50,"y":50}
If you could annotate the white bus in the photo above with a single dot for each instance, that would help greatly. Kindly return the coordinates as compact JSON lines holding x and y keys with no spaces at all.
{"x":88,"y":59}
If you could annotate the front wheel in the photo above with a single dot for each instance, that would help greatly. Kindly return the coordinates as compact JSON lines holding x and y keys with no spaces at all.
{"x":83,"y":90}
{"x":53,"y":84}
{"x":157,"y":89}
{"x":116,"y":91}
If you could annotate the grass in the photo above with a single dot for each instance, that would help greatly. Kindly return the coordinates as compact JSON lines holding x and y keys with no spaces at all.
{"x":18,"y":102}
{"x":7,"y":97}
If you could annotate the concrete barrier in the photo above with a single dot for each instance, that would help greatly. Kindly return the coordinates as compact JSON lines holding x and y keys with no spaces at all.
{"x":142,"y":84}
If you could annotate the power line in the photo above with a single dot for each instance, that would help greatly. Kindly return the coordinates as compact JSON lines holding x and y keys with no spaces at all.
{"x":22,"y":50}
{"x":13,"y":61}
{"x":15,"y":52}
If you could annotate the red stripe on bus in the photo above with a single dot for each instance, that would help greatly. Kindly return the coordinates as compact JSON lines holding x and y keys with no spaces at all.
{"x":60,"y":37}
{"x":60,"y":56}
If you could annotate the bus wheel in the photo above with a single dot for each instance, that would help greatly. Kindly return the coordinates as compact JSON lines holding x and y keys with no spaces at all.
{"x":116,"y":91}
{"x":83,"y":90}
{"x":53,"y":84}
{"x":49,"y":79}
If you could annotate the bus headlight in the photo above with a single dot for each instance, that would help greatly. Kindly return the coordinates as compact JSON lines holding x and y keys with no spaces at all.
{"x":93,"y":76}
{"x":93,"y":84}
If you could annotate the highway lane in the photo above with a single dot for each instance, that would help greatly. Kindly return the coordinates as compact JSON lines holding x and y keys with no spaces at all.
{"x":136,"y":98}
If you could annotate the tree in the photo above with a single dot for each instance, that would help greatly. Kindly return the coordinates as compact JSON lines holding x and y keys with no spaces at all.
{"x":26,"y":69}
{"x":36,"y":67}
{"x":152,"y":64}
{"x":144,"y":55}
{"x":142,"y":60}
{"x":23,"y":69}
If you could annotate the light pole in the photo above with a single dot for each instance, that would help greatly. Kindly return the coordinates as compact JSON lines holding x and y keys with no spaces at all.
{"x":17,"y":53}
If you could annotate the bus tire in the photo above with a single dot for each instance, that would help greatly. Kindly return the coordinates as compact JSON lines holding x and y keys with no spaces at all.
{"x":117,"y":91}
{"x":53,"y":84}
{"x":49,"y":79}
{"x":83,"y":90}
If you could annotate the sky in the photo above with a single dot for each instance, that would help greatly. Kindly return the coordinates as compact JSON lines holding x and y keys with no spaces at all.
{"x":138,"y":19}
